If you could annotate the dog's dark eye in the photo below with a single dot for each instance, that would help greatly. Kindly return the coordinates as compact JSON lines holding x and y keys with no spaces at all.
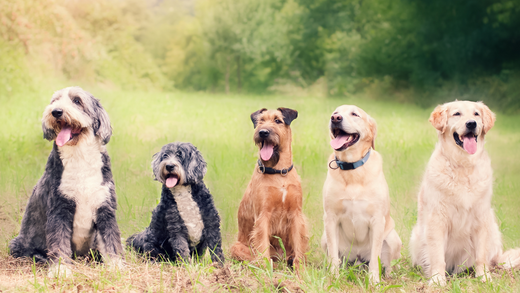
{"x":165,"y":156}
{"x":354,"y":114}
{"x":456,"y":114}
{"x":278,"y":121}
{"x":477,"y":114}
{"x":76,"y":101}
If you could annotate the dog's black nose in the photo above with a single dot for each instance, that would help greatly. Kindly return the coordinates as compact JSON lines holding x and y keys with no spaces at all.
{"x":471,"y":124}
{"x":57,"y":113}
{"x":336,"y":118}
{"x":170,"y":168}
{"x":264,"y":133}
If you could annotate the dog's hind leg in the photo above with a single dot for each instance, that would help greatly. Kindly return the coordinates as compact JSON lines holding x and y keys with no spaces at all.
{"x":510,"y":259}
{"x":18,"y":249}
{"x":31,"y":241}
{"x":143,"y":243}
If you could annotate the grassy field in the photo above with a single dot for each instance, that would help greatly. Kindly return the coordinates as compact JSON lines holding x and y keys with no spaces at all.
{"x":220,"y":127}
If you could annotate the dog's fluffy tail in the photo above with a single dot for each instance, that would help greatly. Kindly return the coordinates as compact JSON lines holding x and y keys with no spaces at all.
{"x":510,"y":259}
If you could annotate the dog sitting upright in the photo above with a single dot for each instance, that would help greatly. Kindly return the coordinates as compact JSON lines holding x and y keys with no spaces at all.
{"x":272,"y":203}
{"x":72,"y":209}
{"x":186,"y":221}
{"x":356,"y":202}
{"x":456,"y":226}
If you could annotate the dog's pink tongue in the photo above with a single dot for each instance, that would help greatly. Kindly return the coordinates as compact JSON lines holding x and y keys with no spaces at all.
{"x":266,"y":152}
{"x":64,"y":136}
{"x":470,"y":144}
{"x":339,"y":141}
{"x":171,"y":181}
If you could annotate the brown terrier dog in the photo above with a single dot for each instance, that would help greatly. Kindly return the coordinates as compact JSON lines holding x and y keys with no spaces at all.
{"x":271,"y":209}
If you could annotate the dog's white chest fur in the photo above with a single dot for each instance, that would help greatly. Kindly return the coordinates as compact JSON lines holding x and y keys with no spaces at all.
{"x":82,"y":182}
{"x":189,"y":211}
{"x":355,"y":227}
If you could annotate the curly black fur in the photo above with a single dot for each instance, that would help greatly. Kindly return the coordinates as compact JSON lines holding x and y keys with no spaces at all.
{"x":167,"y":236}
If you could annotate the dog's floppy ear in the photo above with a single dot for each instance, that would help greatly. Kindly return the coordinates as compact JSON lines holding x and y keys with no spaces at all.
{"x":255,"y":114}
{"x":156,"y":160}
{"x":101,"y":124}
{"x":197,"y":167}
{"x":439,"y":117}
{"x":288,"y":115}
{"x":488,"y":117}
{"x":373,"y":129}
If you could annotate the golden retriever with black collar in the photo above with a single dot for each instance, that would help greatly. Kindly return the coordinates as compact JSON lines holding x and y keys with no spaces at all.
{"x":456,"y":227}
{"x":356,"y":202}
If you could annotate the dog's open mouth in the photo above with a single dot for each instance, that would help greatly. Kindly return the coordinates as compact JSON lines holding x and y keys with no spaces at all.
{"x":266,"y":151}
{"x":343,"y":140}
{"x":468,"y":142}
{"x":66,"y":134}
{"x":171,"y":180}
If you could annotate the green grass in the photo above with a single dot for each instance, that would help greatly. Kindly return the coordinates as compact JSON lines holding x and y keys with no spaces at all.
{"x":221,"y":129}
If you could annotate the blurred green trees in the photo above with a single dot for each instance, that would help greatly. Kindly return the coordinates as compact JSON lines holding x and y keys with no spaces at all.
{"x":418,"y":51}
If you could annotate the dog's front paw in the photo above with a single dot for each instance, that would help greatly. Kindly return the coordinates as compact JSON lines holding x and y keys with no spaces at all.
{"x":219,"y":261}
{"x":59,"y":270}
{"x":334,"y":267}
{"x":116,"y":263}
{"x":485,"y":275}
{"x":438,"y":280}
{"x":374,"y":278}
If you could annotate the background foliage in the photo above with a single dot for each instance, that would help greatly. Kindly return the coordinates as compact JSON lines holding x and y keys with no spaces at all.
{"x":420,"y":51}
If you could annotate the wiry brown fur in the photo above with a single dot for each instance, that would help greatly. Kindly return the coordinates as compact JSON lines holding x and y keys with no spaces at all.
{"x":272,"y":203}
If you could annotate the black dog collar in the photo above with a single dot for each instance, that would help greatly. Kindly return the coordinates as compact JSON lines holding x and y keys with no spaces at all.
{"x":266,"y":170}
{"x":350,"y":166}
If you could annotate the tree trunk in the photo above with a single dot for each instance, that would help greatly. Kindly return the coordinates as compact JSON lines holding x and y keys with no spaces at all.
{"x":239,"y":80}
{"x":227,"y":74}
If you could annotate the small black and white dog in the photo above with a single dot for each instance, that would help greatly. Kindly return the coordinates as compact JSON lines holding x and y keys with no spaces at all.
{"x":72,"y":209}
{"x":186,"y":221}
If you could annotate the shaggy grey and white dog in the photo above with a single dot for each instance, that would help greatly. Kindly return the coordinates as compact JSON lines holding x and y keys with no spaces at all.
{"x":72,"y":209}
{"x":186,"y":221}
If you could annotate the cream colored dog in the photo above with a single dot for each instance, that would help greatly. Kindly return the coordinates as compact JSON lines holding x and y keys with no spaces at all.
{"x":358,"y":226}
{"x":456,"y":227}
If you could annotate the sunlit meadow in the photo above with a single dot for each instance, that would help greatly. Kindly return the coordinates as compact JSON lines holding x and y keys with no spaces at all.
{"x":220,"y":127}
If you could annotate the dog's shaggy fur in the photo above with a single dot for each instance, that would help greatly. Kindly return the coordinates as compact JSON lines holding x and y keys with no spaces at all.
{"x":456,"y":227}
{"x":186,"y":222}
{"x":72,"y":209}
{"x":356,"y":203}
{"x":272,"y":203}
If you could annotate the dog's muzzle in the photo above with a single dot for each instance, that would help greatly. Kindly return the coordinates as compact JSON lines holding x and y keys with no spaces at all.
{"x":468,"y":141}
{"x":342,"y":139}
